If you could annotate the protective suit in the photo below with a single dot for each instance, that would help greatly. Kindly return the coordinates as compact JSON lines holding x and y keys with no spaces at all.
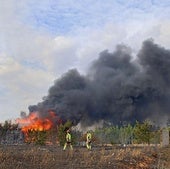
{"x":88,"y":140}
{"x":68,"y":140}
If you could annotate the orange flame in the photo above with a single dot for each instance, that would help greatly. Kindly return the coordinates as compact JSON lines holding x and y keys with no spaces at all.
{"x":34,"y":122}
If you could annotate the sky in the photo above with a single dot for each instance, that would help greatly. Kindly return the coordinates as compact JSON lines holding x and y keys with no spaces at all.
{"x":41,"y":40}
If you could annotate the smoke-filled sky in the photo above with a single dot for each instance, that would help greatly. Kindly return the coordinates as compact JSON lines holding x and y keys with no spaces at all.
{"x":41,"y":40}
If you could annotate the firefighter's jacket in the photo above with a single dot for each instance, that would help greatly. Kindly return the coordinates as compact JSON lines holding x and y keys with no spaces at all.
{"x":68,"y":137}
{"x":89,"y":136}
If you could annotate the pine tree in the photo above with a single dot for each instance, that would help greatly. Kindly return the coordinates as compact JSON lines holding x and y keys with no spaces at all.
{"x":142,"y":132}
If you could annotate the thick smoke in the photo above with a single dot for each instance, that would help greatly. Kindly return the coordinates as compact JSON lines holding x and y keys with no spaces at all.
{"x":117,"y":88}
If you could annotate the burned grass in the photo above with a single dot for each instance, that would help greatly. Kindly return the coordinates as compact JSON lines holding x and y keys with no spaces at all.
{"x":53,"y":157}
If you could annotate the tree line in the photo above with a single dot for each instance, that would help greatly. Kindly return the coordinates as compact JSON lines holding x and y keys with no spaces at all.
{"x":139,"y":133}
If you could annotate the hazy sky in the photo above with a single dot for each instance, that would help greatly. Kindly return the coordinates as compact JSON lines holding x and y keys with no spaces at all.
{"x":40,"y":40}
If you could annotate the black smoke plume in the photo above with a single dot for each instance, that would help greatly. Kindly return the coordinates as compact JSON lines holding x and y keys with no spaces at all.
{"x":117,"y":88}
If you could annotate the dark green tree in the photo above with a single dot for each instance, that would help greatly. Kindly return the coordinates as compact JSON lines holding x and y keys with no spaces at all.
{"x":37,"y":137}
{"x":62,"y":132}
{"x":143,"y":132}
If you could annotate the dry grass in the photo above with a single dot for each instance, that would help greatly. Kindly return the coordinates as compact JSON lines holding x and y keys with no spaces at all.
{"x":52,"y":157}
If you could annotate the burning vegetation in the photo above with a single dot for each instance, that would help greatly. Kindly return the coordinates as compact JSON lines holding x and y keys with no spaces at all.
{"x":33,"y":126}
{"x":33,"y":122}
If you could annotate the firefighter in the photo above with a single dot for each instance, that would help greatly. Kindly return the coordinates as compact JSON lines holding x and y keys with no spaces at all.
{"x":88,"y":140}
{"x":68,"y":140}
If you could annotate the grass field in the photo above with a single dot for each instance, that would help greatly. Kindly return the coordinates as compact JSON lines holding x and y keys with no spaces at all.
{"x":53,"y":157}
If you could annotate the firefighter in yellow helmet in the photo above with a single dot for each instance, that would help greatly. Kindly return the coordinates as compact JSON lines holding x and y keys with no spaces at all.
{"x":88,"y":140}
{"x":68,"y":140}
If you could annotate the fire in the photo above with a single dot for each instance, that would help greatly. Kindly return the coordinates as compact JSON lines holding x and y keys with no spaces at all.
{"x":32,"y":124}
{"x":35,"y":123}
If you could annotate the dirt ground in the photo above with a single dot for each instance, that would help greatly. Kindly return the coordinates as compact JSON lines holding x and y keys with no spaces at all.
{"x":53,"y":157}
